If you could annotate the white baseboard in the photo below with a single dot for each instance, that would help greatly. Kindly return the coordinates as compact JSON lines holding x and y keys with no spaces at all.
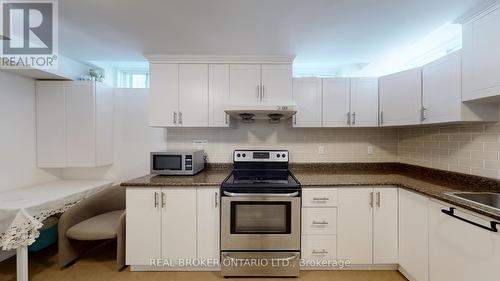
{"x":357,"y":267}
{"x":406,"y":274}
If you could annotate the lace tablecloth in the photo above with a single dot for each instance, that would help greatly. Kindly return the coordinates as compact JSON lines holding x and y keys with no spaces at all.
{"x":23,"y":210}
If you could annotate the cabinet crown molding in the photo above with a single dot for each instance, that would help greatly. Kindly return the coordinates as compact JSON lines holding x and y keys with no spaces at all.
{"x":478,"y":12}
{"x":270,"y":59}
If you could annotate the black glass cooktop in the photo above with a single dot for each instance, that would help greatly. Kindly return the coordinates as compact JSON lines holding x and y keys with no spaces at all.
{"x":261,"y":180}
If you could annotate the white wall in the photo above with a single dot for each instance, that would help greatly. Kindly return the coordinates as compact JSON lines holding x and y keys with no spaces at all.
{"x":133,"y":139}
{"x":18,"y":139}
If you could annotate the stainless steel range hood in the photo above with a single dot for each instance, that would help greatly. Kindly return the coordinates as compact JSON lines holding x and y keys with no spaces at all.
{"x":249,"y":113}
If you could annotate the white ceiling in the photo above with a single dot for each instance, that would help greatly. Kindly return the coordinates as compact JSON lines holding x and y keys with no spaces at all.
{"x":330,"y":32}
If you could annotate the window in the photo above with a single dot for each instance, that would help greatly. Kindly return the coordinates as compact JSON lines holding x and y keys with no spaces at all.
{"x":133,"y":79}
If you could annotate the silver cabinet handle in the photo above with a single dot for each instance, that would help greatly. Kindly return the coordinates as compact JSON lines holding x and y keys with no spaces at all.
{"x":295,"y":119}
{"x":156,"y":200}
{"x":216,"y":200}
{"x":180,"y":118}
{"x":321,"y":198}
{"x":378,"y":199}
{"x":422,"y":113}
{"x":227,"y":119}
{"x":258,"y":92}
{"x":381,"y":117}
{"x":262,"y":93}
{"x":348,"y":118}
{"x":371,"y":199}
{"x":163,"y":200}
{"x":320,"y":252}
{"x":354,"y":118}
{"x":320,"y":222}
{"x":175,"y":117}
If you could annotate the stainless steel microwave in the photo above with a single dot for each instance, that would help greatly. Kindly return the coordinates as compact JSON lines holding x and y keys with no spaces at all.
{"x":177,"y":162}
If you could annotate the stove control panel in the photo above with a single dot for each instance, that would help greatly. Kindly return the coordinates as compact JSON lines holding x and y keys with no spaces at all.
{"x":260,"y":156}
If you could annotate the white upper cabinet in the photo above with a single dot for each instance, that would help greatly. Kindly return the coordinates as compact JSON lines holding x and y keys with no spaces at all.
{"x":336,"y":102}
{"x":307,"y":95}
{"x":193,"y":95}
{"x":413,"y":235}
{"x":276,"y":84}
{"x":364,"y":102}
{"x":256,"y":84}
{"x":400,"y":97}
{"x":442,"y":94}
{"x":179,"y":95}
{"x":164,"y":100}
{"x":218,"y":95}
{"x":481,"y":56}
{"x":245,"y":83}
{"x":74,"y":124}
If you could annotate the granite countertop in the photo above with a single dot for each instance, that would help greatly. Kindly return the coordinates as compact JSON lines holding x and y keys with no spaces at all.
{"x":429,"y":182}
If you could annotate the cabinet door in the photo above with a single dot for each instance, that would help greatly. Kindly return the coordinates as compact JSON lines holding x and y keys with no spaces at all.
{"x":277,"y":84}
{"x":80,"y":123}
{"x":208,"y":200}
{"x":354,"y":225}
{"x":143,"y":225}
{"x":364,"y":102}
{"x":104,"y":125}
{"x":178,"y":223}
{"x":307,"y":95}
{"x":50,"y":124}
{"x":401,"y":98}
{"x":218,"y":95}
{"x":460,"y":251}
{"x":244,"y":83}
{"x":164,"y":99}
{"x":385,"y":226}
{"x":413,"y":235}
{"x":481,"y":57}
{"x":442,"y":90}
{"x":193,"y":95}
{"x":336,"y":102}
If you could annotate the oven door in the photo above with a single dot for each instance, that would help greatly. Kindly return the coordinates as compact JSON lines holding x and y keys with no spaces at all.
{"x":268,"y":222}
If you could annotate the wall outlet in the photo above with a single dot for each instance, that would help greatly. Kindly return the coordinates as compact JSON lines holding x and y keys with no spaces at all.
{"x":370,"y":150}
{"x":200,"y":144}
{"x":321,"y":149}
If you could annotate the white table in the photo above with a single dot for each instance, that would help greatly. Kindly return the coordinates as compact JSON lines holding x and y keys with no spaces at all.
{"x":23,"y":210}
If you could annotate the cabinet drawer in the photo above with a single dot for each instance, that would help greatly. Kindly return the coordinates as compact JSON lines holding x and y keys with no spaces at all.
{"x":322,"y":247}
{"x":319,"y":221}
{"x":319,"y":197}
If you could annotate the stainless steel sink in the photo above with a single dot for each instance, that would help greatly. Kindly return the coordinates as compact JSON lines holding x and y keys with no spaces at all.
{"x":488,"y":199}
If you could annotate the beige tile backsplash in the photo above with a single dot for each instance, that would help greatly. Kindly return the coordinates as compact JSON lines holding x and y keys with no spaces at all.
{"x":340,"y":145}
{"x":470,"y":149}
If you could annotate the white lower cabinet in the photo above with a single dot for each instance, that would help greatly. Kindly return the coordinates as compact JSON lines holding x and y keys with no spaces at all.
{"x":143,"y":227}
{"x":367,"y":225}
{"x":178,"y":223}
{"x":208,"y":219}
{"x":319,"y":228}
{"x":461,"y":251}
{"x":171,"y":223}
{"x":413,"y":235}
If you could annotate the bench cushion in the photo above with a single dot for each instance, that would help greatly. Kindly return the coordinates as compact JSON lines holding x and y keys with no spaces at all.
{"x":99,"y":227}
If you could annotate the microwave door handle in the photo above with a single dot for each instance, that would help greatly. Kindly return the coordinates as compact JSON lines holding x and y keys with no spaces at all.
{"x":232,"y":194}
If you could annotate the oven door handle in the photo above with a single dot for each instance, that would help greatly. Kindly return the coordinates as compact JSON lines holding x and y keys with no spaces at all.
{"x":294,"y":256}
{"x":233,"y":194}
